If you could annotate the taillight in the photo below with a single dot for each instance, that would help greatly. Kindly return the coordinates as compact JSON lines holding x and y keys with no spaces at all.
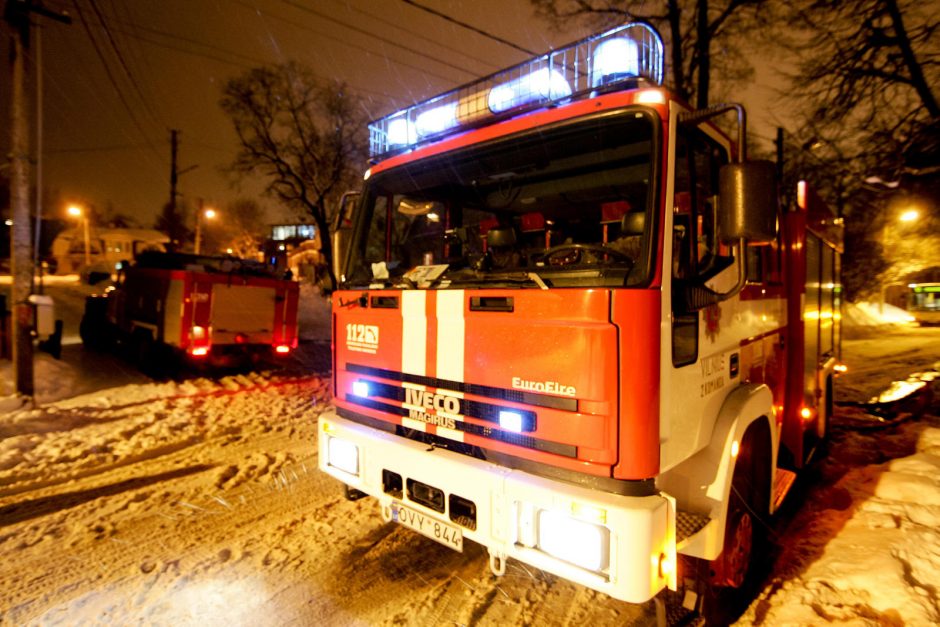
{"x":199,"y":341}
{"x":282,"y":349}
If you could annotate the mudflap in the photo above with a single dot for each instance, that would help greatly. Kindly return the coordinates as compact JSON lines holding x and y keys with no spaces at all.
{"x":352,"y":494}
{"x":685,"y":605}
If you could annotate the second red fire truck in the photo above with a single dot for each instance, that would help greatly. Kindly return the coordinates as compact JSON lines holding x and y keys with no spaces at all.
{"x":195,"y":310}
{"x":575,"y":327}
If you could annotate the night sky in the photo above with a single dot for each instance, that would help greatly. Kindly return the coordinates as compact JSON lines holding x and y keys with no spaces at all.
{"x":125,"y":72}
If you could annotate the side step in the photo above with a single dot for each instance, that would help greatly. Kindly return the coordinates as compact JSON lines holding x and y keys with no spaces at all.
{"x":688,"y":524}
{"x":783,"y":481}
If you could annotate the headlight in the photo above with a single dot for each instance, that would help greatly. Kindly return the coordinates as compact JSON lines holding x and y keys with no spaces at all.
{"x":510,"y":421}
{"x":343,"y":455}
{"x":360,"y":388}
{"x":574,"y":541}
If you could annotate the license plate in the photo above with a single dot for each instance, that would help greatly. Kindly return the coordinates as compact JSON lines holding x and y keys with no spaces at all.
{"x":445,"y":533}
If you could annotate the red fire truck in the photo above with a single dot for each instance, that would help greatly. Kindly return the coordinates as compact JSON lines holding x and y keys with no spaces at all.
{"x":217,"y":311}
{"x":575,"y":327}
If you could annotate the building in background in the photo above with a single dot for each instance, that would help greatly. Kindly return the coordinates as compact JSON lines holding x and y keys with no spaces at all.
{"x":296,"y":247}
{"x":106,"y":247}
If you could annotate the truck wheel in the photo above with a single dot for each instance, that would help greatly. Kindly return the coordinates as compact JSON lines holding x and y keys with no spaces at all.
{"x":734,"y":575}
{"x":93,"y":329}
{"x":91,"y":337}
{"x":146,"y":355}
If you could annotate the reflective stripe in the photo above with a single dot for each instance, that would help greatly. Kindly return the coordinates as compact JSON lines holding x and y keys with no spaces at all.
{"x":450,"y":335}
{"x":450,"y":434}
{"x":414,"y":333}
{"x":414,"y":424}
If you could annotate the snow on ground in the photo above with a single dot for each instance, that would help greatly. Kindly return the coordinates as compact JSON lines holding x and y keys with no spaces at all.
{"x":864,"y":548}
{"x":861,"y":318}
{"x":198,"y":502}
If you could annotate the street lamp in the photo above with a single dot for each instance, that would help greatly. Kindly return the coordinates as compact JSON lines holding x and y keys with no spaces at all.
{"x":208,"y":214}
{"x":76,"y":212}
{"x":910,"y":215}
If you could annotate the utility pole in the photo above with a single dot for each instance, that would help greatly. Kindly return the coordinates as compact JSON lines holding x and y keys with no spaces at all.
{"x":17,"y":14}
{"x":175,"y":221}
{"x":174,"y":173}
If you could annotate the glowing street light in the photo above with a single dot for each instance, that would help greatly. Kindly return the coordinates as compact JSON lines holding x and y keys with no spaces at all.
{"x":208,"y":214}
{"x":76,"y":212}
{"x":909,"y":215}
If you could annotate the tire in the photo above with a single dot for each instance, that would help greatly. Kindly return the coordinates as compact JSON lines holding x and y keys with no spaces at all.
{"x":93,"y":329}
{"x":148,"y":355}
{"x":90,"y":334}
{"x":733,"y":578}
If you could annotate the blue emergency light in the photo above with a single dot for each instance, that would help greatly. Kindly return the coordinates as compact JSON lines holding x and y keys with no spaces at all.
{"x":629,"y":52}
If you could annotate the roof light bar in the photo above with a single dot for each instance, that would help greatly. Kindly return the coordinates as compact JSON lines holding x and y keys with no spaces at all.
{"x":626,"y":53}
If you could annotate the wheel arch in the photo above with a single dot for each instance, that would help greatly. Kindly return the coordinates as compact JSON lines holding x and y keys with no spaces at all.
{"x":702,"y":484}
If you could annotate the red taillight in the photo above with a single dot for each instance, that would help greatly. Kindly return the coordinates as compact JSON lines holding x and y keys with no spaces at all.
{"x":241,"y":338}
{"x":199,"y":341}
{"x":283,"y":349}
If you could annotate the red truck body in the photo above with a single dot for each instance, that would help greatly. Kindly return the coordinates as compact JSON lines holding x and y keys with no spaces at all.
{"x":217,"y":311}
{"x":553,"y":338}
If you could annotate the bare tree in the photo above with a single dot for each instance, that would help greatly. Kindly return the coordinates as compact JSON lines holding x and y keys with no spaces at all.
{"x":701,"y":35}
{"x":866,"y":91}
{"x":241,"y":228}
{"x":861,"y":55}
{"x":871,"y":66}
{"x":304,"y":136}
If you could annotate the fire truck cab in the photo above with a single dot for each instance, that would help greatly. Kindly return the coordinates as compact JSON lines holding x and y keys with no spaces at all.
{"x":575,"y":327}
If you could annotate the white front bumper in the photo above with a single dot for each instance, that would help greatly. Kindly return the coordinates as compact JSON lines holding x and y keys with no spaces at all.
{"x":641,"y":544}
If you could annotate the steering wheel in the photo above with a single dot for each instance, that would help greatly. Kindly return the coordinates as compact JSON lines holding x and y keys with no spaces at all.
{"x":570,"y":254}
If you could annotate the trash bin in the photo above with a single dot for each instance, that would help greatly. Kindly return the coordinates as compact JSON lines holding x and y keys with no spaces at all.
{"x":43,"y":314}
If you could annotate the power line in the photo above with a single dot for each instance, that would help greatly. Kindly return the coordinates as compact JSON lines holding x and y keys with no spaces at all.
{"x":397,"y":45}
{"x":61,"y":151}
{"x":423,"y":37}
{"x":230,"y":56}
{"x":193,"y":42}
{"x":112,"y":79}
{"x":121,"y":11}
{"x":120,"y":57}
{"x":470,"y":27}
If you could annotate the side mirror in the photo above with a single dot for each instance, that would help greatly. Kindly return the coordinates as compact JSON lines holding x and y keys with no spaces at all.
{"x":342,"y":232}
{"x":747,"y":202}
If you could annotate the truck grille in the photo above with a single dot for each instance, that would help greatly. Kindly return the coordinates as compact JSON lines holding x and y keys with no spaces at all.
{"x":509,"y":437}
{"x":514,"y":396}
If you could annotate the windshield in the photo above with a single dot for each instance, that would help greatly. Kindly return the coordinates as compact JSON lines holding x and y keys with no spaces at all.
{"x":563,"y":206}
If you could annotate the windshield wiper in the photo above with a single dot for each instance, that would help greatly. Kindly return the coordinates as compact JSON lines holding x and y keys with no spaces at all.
{"x":522,"y":276}
{"x":535,"y":278}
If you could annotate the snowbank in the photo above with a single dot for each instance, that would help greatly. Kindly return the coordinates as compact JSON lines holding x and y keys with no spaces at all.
{"x":867,"y":549}
{"x":874,"y":314}
{"x":48,"y":279}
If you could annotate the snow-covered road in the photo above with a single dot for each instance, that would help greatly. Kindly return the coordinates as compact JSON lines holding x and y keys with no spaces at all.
{"x":199,"y":502}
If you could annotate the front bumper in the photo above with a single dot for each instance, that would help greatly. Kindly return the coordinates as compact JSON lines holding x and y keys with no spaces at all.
{"x":638,"y":533}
